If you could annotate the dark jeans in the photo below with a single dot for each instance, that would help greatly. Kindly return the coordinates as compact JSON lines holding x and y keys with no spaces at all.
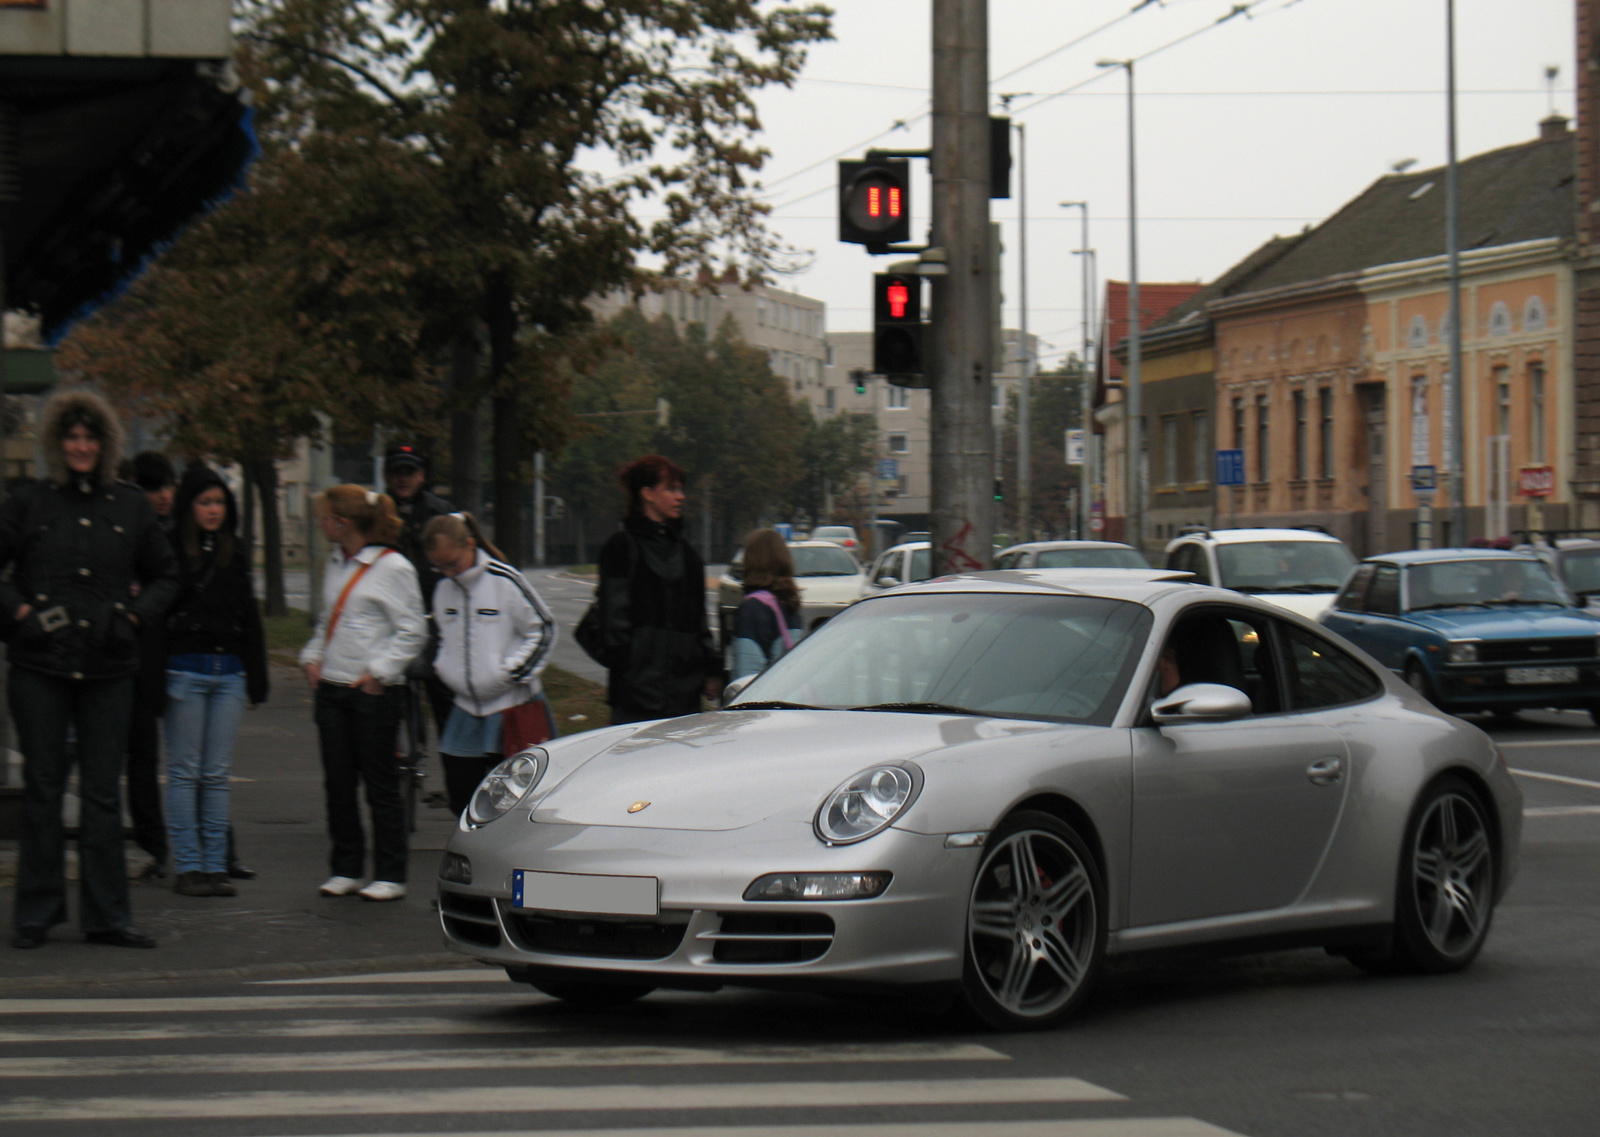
{"x":144,"y":792}
{"x":462,"y":775}
{"x":43,"y":707}
{"x":358,"y":732}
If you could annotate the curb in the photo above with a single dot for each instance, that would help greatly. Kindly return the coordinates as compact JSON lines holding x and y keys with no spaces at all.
{"x":429,"y":961}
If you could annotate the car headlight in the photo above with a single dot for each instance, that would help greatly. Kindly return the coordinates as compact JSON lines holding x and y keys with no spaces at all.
{"x":507,"y":784}
{"x":868,"y":803}
{"x":1461,"y":653}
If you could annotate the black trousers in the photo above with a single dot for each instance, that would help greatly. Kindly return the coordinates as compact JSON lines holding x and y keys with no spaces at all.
{"x":462,"y":775}
{"x":144,"y":790}
{"x":43,"y":707}
{"x":358,"y":733}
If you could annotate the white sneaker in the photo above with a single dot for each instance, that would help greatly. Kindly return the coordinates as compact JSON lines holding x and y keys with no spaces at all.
{"x":339,"y":886}
{"x":384,"y":890}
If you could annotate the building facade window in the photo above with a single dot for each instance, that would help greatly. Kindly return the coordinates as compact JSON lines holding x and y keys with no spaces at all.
{"x":1200,"y":439}
{"x":896,"y":398}
{"x":1417,"y":332}
{"x":1533,"y":317}
{"x":1325,"y":430}
{"x":830,"y":398}
{"x":1499,"y":319}
{"x":1238,"y":423}
{"x":1536,"y":424}
{"x":1169,"y":449}
{"x":1502,"y":400}
{"x":1299,"y":438}
{"x":897,"y":444}
{"x":1263,"y":439}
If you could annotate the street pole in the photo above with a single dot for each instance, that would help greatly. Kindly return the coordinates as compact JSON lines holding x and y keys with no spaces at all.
{"x":1455,"y":435}
{"x":538,"y":508}
{"x":1025,"y":382}
{"x":1085,"y":395}
{"x":961,"y":378}
{"x":1134,"y":480}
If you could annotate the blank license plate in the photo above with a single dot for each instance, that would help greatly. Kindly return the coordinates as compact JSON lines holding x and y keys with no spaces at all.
{"x":584,"y":892}
{"x":1525,"y":675}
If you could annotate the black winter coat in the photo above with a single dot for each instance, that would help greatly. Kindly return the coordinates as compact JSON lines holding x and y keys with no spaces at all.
{"x":83,"y":555}
{"x":216,"y":613}
{"x":652,"y":596}
{"x":414,"y":515}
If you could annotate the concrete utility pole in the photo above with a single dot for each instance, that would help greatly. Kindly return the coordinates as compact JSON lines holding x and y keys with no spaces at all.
{"x":1025,"y":382}
{"x":960,"y":352}
{"x":1455,"y":437}
{"x":1134,"y":431}
{"x":1086,"y":397}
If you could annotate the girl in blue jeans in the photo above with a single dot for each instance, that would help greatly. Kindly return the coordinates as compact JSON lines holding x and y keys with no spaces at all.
{"x":216,"y":660}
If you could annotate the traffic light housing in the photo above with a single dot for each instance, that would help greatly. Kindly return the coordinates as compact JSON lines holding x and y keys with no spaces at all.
{"x":897,"y":324}
{"x":875,"y":201}
{"x":999,"y":489}
{"x":858,"y":376}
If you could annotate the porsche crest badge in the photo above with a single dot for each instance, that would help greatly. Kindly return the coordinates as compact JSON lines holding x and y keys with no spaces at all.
{"x":637,"y":806}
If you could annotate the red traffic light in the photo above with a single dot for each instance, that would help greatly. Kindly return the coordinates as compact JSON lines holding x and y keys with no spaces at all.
{"x":875,"y":201}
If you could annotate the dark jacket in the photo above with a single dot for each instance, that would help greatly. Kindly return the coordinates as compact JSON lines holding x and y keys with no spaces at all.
{"x":414,"y":514}
{"x":653,"y":611}
{"x":84,"y":552}
{"x":216,"y":610}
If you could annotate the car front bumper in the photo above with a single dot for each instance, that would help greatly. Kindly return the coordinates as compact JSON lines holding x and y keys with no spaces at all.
{"x":1486,"y":686}
{"x":706,"y":934}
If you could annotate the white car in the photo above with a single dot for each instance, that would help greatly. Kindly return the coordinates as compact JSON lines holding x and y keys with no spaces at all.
{"x":1298,"y":569}
{"x":903,"y":564}
{"x":841,"y":535}
{"x":828,"y":576}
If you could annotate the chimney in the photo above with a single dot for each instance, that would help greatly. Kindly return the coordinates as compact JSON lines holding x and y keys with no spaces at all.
{"x":1553,"y":127}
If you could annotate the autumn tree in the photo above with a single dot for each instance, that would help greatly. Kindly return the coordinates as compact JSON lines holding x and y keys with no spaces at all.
{"x":834,"y":453}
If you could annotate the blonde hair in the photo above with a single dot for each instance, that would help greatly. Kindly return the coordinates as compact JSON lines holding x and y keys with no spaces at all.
{"x":455,"y":529}
{"x":373,"y":514}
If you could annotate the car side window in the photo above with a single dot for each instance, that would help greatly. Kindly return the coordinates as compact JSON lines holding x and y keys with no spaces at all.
{"x":1353,"y":597}
{"x":1009,"y":561}
{"x":1383,"y":595}
{"x":887,"y":568}
{"x":1229,"y":646}
{"x":1319,"y":674}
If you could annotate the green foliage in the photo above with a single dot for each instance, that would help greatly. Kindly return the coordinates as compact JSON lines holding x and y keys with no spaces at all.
{"x":1054,"y":408}
{"x":835,"y":452}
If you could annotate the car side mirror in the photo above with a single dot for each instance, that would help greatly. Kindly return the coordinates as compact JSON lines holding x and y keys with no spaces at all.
{"x":888,"y":581}
{"x":1201,"y":702}
{"x":733,"y":690}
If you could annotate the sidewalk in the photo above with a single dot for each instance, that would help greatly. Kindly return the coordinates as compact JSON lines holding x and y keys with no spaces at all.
{"x":278,"y":926}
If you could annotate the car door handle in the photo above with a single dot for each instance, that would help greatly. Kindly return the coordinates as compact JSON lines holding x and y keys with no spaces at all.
{"x":1325,"y":771}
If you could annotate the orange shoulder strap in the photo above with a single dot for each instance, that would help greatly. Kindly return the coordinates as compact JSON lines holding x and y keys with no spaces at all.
{"x":338,"y":607}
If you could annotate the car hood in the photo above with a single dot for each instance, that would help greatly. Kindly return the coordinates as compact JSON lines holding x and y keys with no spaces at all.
{"x":728,"y":769}
{"x":1307,"y":604}
{"x":1506,"y":623}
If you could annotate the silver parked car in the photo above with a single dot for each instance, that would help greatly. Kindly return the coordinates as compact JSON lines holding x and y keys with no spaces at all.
{"x":991,"y":783}
{"x":1070,"y":554}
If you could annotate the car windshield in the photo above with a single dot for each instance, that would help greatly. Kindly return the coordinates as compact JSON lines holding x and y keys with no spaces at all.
{"x":823,"y":560}
{"x":921,"y":564}
{"x":1284,"y":566}
{"x":1060,"y":658}
{"x":1091,"y":558}
{"x":1581,"y":567}
{"x":1479,"y":583}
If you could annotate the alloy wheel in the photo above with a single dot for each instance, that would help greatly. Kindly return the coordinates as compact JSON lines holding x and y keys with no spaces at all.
{"x":1452,"y":873}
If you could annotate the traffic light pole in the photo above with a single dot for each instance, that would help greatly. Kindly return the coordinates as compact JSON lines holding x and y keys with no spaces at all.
{"x":960,"y":358}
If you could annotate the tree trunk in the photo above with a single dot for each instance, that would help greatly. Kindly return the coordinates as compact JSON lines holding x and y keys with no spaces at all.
{"x":264,"y":473}
{"x":510,"y":487}
{"x":466,"y":453}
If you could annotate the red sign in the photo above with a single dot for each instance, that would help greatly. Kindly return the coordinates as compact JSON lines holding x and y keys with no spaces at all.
{"x":1536,"y":481}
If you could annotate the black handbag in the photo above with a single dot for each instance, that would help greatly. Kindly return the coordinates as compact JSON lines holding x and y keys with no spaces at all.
{"x":590,"y":632}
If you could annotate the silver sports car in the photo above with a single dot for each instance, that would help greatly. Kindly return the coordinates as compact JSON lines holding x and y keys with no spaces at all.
{"x":990,"y":783}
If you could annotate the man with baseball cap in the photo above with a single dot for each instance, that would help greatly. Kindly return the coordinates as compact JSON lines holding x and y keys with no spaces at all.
{"x":405,"y":477}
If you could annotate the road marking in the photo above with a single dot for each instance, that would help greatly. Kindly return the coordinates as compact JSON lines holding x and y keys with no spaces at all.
{"x":1561,"y":811}
{"x":294,"y":1028}
{"x":1562,"y":778}
{"x":497,"y":1059}
{"x":465,"y":975}
{"x":1082,"y":1127}
{"x":237,"y":1003}
{"x":1548,"y":742}
{"x":546,"y":1099}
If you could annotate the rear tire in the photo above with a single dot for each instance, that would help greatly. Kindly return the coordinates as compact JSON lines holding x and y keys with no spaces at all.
{"x":1036,"y":931}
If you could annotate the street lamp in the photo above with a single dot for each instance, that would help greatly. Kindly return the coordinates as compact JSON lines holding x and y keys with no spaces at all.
{"x":1134,"y":432}
{"x":1085,"y":397}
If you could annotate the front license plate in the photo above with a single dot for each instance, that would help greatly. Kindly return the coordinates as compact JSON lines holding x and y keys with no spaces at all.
{"x":1525,"y":675}
{"x":585,"y":892}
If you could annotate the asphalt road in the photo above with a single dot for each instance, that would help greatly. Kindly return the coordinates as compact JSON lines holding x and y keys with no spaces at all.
{"x":1294,"y":1044}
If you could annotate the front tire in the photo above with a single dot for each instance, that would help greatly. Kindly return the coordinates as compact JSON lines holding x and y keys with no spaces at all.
{"x":1417,"y":680}
{"x":1036,"y":929}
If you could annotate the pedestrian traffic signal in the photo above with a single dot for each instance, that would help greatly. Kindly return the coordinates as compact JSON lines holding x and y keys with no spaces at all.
{"x":875,"y":201}
{"x":999,"y":489}
{"x":897,"y":324}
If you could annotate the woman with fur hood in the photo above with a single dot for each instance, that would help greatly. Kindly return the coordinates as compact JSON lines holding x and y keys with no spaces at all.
{"x":89,"y":566}
{"x":216,"y":660}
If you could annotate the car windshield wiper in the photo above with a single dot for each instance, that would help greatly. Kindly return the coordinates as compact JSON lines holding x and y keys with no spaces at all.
{"x":1300,"y":588}
{"x":1448,"y":604}
{"x":771,"y":705}
{"x":1514,"y":603}
{"x":921,"y":708}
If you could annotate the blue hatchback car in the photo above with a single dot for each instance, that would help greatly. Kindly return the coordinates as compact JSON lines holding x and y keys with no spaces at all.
{"x":1473,"y":629}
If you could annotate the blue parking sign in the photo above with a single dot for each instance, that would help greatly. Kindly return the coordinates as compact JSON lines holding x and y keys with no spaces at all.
{"x":1230,"y":467}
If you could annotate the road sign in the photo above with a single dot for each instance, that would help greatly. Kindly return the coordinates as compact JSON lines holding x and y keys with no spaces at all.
{"x":888,"y":468}
{"x":1424,"y":479}
{"x":1536,"y":481}
{"x":1074,"y":447}
{"x":784,"y":530}
{"x":1230,"y":467}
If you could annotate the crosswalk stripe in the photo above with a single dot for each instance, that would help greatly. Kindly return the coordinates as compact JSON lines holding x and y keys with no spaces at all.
{"x":546,"y":1099}
{"x":291,"y":1028}
{"x":241,"y":1003}
{"x":1586,"y":783}
{"x":368,"y":1061}
{"x":1079,"y":1127}
{"x":473,"y":975}
{"x":1561,"y":810}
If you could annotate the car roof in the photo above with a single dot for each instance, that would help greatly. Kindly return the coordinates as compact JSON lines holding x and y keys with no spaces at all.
{"x":1027,"y":546}
{"x":1245,"y":536}
{"x":908,"y":545}
{"x":817,"y":543}
{"x":1433,"y":556}
{"x":1137,"y":585}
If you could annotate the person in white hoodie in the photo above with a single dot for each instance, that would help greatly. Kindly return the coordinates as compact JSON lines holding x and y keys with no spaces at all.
{"x":495,"y":636}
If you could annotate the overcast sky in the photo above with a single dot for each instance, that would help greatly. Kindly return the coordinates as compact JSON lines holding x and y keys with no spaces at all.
{"x":1256,"y":126}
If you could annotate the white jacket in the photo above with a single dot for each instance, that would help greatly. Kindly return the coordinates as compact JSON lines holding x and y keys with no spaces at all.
{"x":495,"y":636}
{"x":382,"y":627}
